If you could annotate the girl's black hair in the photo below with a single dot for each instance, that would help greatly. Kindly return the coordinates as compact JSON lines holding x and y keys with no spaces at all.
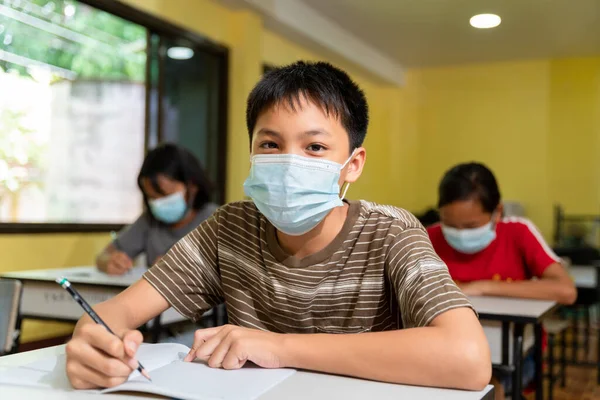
{"x":178,"y":164}
{"x":470,"y":181}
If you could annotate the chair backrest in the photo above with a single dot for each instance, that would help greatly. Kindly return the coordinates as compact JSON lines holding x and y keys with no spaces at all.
{"x":10,"y":300}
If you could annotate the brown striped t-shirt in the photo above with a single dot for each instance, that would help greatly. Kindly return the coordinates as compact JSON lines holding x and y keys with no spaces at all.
{"x":379,"y":273}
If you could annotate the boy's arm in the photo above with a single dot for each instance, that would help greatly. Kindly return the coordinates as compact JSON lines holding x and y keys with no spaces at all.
{"x":185,"y":278}
{"x":451,"y":352}
{"x":125,"y":311}
{"x":443,"y":345}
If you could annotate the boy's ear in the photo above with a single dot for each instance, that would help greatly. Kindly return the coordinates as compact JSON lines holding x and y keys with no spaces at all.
{"x":355,"y":165}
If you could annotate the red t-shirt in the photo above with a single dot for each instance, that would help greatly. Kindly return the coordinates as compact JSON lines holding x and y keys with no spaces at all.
{"x":519,"y":252}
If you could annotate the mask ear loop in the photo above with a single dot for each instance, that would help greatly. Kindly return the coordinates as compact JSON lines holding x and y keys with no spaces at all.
{"x":347,"y":183}
{"x":345,"y":191}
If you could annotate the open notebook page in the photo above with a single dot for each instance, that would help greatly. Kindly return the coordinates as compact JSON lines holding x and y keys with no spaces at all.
{"x":197,"y":381}
{"x":170,"y":375}
{"x":50,"y":372}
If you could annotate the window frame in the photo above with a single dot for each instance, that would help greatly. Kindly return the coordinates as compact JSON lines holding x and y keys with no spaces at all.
{"x":159,"y":26}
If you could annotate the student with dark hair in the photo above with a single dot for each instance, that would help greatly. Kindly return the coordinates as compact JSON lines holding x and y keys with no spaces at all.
{"x":176,"y":193}
{"x":488,"y":255}
{"x":311,"y":280}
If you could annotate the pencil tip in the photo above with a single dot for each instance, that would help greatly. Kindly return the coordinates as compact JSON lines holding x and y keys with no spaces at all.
{"x":146,"y":375}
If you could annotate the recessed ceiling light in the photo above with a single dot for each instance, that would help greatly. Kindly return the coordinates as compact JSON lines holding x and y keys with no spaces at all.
{"x":180,"y":53}
{"x":485,"y":21}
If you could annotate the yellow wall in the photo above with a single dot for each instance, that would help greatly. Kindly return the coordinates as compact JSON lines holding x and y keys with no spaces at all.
{"x":535,"y":123}
{"x":574,"y":134}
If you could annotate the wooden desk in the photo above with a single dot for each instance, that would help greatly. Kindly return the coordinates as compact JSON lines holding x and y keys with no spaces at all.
{"x":302,"y":385}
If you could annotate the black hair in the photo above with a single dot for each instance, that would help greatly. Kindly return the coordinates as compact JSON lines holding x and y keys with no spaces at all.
{"x":322,"y":83}
{"x":470,"y":181}
{"x":178,"y":164}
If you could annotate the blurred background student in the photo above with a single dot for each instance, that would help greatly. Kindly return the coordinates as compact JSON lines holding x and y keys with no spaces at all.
{"x":488,"y":255}
{"x":176,"y":195}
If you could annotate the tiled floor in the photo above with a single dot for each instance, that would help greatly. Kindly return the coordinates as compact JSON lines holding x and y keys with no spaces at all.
{"x":581,"y":381}
{"x":580,"y":385}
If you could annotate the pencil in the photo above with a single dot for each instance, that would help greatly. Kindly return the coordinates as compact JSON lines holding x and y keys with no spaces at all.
{"x":95,"y":317}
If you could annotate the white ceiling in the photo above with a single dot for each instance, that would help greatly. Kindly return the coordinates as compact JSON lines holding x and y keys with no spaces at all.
{"x":417,"y":33}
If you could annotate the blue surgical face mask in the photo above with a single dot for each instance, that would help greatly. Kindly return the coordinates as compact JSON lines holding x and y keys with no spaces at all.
{"x":470,"y":241}
{"x":169,"y":209}
{"x":293,"y":192}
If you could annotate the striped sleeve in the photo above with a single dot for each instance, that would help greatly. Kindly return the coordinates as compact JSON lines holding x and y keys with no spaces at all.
{"x":420,"y":279}
{"x":188,"y":275}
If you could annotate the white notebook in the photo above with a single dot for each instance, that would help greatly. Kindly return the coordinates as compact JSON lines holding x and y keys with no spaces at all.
{"x":171,"y":377}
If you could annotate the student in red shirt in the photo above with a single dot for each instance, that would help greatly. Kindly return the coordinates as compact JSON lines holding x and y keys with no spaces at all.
{"x":488,"y":255}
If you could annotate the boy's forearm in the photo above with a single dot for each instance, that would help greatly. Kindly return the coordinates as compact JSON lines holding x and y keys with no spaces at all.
{"x":542,"y":289}
{"x":130,"y":309}
{"x":117,"y":319}
{"x":420,"y":356}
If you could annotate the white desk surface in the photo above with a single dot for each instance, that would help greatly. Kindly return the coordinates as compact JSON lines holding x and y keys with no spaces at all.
{"x":82,"y":275}
{"x":301,"y":385}
{"x":502,"y":306}
{"x":584,"y":276}
{"x":43,"y":298}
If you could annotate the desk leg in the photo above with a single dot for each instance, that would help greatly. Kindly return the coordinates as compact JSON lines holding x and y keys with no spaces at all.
{"x":539,"y":363}
{"x":575,"y":338}
{"x":156,"y":330}
{"x":518,"y":362}
{"x":586,"y":333}
{"x":17,"y":340}
{"x":505,"y":333}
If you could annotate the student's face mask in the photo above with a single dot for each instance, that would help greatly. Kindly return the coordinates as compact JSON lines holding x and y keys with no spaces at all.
{"x":169,"y":209}
{"x":293,"y":192}
{"x":470,"y":241}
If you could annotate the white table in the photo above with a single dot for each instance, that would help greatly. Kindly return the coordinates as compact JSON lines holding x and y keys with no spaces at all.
{"x":519,"y":312}
{"x":585,"y":276}
{"x":44,"y":299}
{"x":300,"y":386}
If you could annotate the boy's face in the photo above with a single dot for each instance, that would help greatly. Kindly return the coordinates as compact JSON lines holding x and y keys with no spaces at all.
{"x":307,"y":132}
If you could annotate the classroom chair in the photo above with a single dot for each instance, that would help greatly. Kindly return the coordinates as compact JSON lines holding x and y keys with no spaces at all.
{"x":10,"y":299}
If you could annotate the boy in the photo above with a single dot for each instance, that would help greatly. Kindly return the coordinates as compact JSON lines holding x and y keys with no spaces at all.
{"x":302,"y":271}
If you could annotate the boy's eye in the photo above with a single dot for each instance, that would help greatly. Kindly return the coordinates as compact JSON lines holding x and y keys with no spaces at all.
{"x":315,"y":147}
{"x":268,"y":145}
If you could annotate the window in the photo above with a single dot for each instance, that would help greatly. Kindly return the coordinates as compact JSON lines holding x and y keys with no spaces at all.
{"x":85,"y":92}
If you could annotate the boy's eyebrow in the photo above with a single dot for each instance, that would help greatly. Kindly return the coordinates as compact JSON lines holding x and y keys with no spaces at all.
{"x":269,"y":132}
{"x":314,"y":132}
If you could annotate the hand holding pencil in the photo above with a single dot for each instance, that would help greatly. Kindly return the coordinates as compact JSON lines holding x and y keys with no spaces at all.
{"x":96,"y":357}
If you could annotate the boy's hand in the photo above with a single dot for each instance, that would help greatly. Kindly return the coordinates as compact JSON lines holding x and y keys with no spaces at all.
{"x":97,"y":358}
{"x":119,"y":263}
{"x":230,"y":346}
